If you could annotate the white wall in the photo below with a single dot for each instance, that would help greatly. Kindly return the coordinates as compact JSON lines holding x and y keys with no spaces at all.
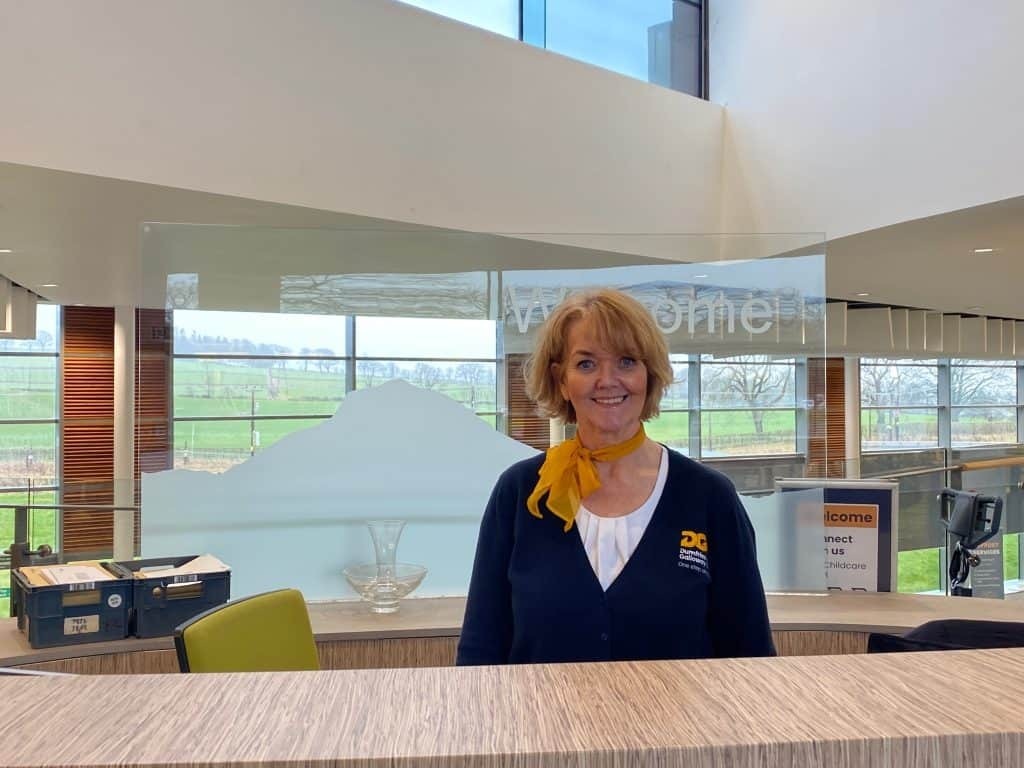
{"x":847,"y":115}
{"x":361,"y":106}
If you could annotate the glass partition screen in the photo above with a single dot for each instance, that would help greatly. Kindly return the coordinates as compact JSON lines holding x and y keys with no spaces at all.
{"x":323,"y":379}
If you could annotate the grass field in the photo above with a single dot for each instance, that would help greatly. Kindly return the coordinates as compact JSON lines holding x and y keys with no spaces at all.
{"x":921,"y":427}
{"x":918,"y":569}
{"x":42,"y":530}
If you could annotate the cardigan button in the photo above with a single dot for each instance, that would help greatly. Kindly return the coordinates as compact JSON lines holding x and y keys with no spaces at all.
{"x":604,"y":636}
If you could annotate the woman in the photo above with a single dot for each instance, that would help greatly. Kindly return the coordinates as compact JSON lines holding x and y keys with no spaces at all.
{"x":661,"y":563}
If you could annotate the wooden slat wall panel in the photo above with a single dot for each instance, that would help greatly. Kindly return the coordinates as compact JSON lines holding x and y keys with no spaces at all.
{"x":153,"y":398}
{"x":87,"y":426}
{"x":524,"y":424}
{"x":408,"y":652}
{"x":826,"y":445}
{"x":819,"y":642}
{"x":128,"y":663}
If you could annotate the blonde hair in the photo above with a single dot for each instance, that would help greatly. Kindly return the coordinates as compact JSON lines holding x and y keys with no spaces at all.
{"x":621,"y":324}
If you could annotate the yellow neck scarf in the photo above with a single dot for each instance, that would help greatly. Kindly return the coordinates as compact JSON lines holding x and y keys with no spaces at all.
{"x":568,"y":475}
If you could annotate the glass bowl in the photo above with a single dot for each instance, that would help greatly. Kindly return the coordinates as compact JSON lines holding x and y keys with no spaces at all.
{"x":383,"y":596}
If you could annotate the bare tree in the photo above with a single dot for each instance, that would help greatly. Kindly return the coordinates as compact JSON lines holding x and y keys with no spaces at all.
{"x":875,"y":387}
{"x":369,"y":370}
{"x":755,"y":382}
{"x":427,"y":376}
{"x":44,"y":339}
{"x":889,"y":386}
{"x":472,"y":375}
{"x":977,"y":385}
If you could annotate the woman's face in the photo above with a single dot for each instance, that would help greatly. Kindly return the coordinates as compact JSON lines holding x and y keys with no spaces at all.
{"x":606,"y":389}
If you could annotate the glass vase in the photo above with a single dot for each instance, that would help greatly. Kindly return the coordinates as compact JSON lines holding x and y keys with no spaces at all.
{"x":386,"y":592}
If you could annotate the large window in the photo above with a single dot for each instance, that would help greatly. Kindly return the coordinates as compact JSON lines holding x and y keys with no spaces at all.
{"x":454,"y":357}
{"x":243,"y":381}
{"x":653,"y":40}
{"x":748,"y":406}
{"x":672,"y":426}
{"x":983,"y":402}
{"x":899,"y":404}
{"x":659,"y":41}
{"x":907,"y":406}
{"x":29,"y":408}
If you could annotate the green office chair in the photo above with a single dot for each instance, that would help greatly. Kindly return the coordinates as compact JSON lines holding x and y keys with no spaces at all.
{"x":269,"y":632}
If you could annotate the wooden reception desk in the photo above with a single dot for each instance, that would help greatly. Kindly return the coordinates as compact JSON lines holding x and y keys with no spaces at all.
{"x":424,"y":632}
{"x":897,"y":710}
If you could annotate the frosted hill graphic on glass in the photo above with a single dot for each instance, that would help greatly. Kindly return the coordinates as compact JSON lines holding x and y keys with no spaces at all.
{"x":294,"y":514}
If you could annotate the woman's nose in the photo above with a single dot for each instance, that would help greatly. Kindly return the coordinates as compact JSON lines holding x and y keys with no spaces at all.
{"x":606,"y":372}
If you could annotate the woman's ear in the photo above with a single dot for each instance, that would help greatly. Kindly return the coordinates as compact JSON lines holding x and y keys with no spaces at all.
{"x":559,"y":379}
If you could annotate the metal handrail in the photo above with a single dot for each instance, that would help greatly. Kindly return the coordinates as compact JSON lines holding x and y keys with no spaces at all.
{"x":912,"y":473}
{"x":75,"y":507}
{"x":967,"y":466}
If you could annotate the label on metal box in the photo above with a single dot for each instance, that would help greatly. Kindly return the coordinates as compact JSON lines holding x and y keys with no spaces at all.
{"x":81,"y":625}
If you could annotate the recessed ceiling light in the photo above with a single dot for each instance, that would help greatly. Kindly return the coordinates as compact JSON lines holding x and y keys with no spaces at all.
{"x":862,"y":295}
{"x":6,"y":250}
{"x":973,"y":309}
{"x":699,"y":277}
{"x":984,"y":250}
{"x":49,"y":285}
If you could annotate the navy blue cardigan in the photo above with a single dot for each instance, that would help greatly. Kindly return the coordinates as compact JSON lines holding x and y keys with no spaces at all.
{"x":690,"y":590}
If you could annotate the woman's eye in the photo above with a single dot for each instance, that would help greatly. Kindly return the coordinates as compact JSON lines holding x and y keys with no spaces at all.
{"x":585,"y":365}
{"x":627,"y":362}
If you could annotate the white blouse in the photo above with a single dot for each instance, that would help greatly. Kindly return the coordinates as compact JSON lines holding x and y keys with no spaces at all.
{"x":610,"y":541}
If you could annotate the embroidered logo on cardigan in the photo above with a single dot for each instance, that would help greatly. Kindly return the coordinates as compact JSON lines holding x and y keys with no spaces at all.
{"x":693,"y":547}
{"x":693,"y":539}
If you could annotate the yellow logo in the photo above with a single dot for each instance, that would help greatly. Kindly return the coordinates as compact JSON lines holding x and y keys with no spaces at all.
{"x":692,"y":539}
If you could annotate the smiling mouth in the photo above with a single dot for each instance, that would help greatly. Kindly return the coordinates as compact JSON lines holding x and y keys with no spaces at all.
{"x":610,"y":400}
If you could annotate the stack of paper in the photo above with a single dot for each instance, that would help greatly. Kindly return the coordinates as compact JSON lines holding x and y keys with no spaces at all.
{"x":201,"y":564}
{"x":74,"y":574}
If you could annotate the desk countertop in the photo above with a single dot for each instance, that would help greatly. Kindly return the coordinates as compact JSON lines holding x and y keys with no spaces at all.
{"x":442,"y":617}
{"x":858,"y":710}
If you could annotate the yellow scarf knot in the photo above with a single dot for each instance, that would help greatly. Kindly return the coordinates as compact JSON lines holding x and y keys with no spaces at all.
{"x":568,"y":475}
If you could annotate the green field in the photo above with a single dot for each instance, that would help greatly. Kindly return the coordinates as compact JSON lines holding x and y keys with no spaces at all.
{"x":918,"y":569}
{"x":28,"y":387}
{"x":995,"y":425}
{"x":42,"y":530}
{"x":729,"y":433}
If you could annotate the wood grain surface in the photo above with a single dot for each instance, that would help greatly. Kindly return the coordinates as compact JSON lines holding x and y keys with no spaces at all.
{"x":857,"y":710}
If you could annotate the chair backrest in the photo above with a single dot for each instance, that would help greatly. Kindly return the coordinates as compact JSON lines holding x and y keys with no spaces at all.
{"x":269,"y":632}
{"x":951,"y":635}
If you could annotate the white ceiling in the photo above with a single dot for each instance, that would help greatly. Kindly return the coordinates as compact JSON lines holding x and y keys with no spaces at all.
{"x":85,"y":233}
{"x":931,"y":263}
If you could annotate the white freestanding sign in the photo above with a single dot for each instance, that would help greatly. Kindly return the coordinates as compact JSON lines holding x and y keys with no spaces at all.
{"x":860,"y":532}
